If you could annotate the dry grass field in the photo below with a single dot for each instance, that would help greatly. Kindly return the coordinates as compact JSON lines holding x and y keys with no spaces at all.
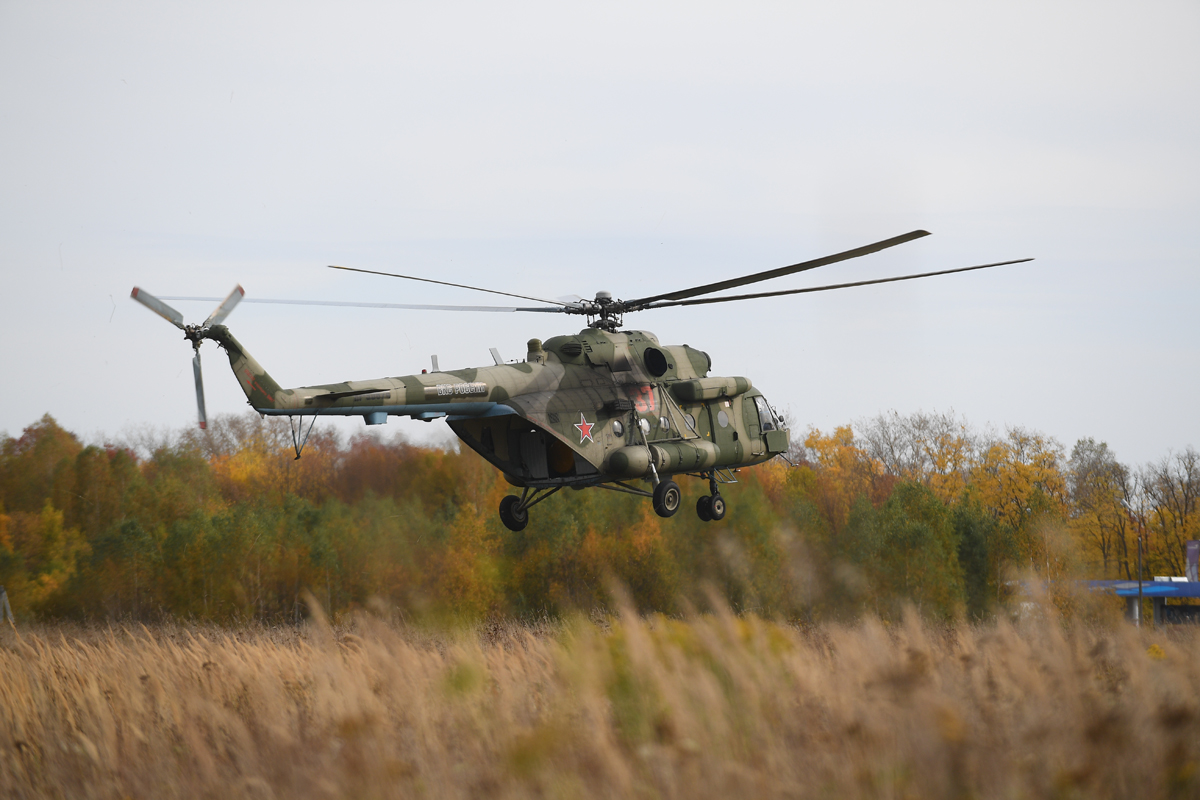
{"x":713,"y":706}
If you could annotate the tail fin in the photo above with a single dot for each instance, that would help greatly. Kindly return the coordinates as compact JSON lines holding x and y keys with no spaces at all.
{"x":261,"y":389}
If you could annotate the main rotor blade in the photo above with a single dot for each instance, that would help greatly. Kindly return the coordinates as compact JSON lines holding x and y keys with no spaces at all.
{"x":228,"y":304}
{"x":446,"y":283}
{"x":158,"y":307}
{"x":406,"y":306}
{"x":199,"y":389}
{"x":706,"y":300}
{"x":709,"y":288}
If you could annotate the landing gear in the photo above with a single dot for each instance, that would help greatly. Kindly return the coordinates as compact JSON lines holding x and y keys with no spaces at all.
{"x":514,"y":511}
{"x":711,"y":508}
{"x":667,"y":498}
{"x":716,"y":507}
{"x":299,"y":437}
{"x":512,"y":515}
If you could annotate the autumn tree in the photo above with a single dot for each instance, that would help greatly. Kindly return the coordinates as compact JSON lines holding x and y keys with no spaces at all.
{"x":228,"y":525}
{"x":1172,"y":493}
{"x":842,"y":471}
{"x":937,"y":450}
{"x":35,"y":467}
{"x":1099,"y":488}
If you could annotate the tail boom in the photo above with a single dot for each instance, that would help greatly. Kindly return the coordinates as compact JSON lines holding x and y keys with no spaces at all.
{"x":263,"y":393}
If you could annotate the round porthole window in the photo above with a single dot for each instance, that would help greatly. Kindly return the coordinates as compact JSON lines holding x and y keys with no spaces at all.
{"x":618,"y":428}
{"x":722,"y":418}
{"x":645,"y":425}
{"x":690,"y":420}
{"x":664,"y":423}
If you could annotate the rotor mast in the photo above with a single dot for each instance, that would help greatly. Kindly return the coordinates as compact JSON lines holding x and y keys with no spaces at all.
{"x":604,"y":314}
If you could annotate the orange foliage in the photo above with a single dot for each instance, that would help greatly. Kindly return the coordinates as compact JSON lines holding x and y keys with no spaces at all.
{"x":842,"y":472}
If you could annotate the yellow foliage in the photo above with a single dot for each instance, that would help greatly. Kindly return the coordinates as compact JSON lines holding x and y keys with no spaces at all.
{"x":1015,"y":469}
{"x":951,"y":458}
{"x":249,"y":473}
{"x":937,"y":450}
{"x":465,"y":575}
{"x":844,"y":472}
{"x":49,"y":550}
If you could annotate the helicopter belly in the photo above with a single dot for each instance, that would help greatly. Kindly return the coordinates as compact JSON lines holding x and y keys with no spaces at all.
{"x":527,"y":454}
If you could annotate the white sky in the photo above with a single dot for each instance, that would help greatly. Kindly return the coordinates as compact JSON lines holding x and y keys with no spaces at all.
{"x":548,"y":149}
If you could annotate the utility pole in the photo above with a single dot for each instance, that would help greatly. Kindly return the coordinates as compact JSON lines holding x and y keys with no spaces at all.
{"x":1137,"y":616}
{"x":1139,"y":574}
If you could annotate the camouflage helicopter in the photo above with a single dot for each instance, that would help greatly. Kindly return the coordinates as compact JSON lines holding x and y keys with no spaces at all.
{"x":602,"y":408}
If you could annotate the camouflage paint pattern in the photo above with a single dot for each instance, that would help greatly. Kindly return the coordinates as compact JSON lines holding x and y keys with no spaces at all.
{"x":579,"y":409}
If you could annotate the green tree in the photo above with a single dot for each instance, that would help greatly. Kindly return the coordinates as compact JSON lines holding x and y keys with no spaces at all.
{"x":981,"y":551}
{"x":906,"y":552}
{"x":35,"y":468}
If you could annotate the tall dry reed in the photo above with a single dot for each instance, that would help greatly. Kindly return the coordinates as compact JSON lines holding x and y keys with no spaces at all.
{"x":714,"y":706}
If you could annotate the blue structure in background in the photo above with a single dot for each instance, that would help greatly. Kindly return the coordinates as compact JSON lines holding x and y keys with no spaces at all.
{"x":1158,"y":591}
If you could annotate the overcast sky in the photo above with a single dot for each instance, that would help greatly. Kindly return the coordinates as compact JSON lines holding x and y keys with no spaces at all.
{"x":548,"y":149}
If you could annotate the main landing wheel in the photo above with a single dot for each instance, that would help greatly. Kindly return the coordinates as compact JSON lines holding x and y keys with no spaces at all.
{"x":710,"y":508}
{"x":716,"y":507}
{"x":513,"y":519}
{"x":667,"y":498}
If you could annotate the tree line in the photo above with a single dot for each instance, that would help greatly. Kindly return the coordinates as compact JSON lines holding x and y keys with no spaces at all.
{"x":226,"y":525}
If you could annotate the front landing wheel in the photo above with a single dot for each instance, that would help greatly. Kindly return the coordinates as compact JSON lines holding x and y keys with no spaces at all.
{"x":667,"y":498}
{"x":513,"y":519}
{"x":704,"y":508}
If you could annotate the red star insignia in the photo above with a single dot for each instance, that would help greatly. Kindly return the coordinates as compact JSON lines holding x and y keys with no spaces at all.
{"x":585,"y":428}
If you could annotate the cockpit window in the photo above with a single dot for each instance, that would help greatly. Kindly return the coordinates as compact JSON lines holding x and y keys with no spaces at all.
{"x":766,"y":416}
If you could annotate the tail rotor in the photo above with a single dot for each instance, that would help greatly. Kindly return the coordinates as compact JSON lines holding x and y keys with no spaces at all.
{"x":227,"y":305}
{"x":199,"y":388}
{"x":193,"y":333}
{"x":158,"y":307}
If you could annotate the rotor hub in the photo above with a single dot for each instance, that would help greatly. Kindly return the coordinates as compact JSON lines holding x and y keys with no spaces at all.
{"x":604,"y":313}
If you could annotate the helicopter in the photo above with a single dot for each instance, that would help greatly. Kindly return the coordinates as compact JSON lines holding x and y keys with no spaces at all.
{"x":604,"y":408}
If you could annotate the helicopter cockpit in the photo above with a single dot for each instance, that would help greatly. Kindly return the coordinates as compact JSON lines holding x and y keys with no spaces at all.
{"x":767,"y":418}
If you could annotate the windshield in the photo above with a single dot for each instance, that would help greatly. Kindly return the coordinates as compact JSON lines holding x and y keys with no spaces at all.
{"x":767,"y":417}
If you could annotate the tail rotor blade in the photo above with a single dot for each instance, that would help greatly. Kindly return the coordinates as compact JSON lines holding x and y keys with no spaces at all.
{"x":158,"y":307}
{"x":199,"y":390}
{"x":227,"y":305}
